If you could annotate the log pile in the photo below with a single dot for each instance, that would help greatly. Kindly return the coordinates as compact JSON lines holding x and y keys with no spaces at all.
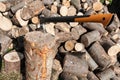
{"x":66,"y":50}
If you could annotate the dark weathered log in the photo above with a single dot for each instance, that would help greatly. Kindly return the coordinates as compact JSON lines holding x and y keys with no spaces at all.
{"x":92,"y":76}
{"x":106,"y":74}
{"x":75,"y":63}
{"x":56,"y":70}
{"x":90,"y":37}
{"x":76,"y":3}
{"x":68,"y":76}
{"x":91,"y":63}
{"x":96,"y":26}
{"x":12,"y":62}
{"x":99,"y":55}
{"x":18,"y":6}
{"x":40,"y":49}
{"x":106,"y":43}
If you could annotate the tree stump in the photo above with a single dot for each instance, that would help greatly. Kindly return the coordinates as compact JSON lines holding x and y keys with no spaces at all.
{"x":12,"y":62}
{"x":40,"y":49}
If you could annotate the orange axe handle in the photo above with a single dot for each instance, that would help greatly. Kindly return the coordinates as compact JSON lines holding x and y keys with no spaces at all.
{"x":105,"y":19}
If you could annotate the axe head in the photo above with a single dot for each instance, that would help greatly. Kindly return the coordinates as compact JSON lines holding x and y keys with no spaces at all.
{"x":107,"y":19}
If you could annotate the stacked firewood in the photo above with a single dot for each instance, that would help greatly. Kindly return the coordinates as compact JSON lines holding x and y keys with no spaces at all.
{"x":62,"y":50}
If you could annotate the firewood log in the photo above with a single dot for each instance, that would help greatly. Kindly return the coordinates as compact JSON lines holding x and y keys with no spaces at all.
{"x":56,"y":70}
{"x":31,"y":9}
{"x":5,"y":23}
{"x":90,"y":37}
{"x":90,"y":61}
{"x":72,"y":11}
{"x":40,"y":50}
{"x":92,"y":76}
{"x":2,"y":7}
{"x":13,"y":62}
{"x":69,"y":45}
{"x":106,"y":74}
{"x":77,"y":32}
{"x":63,"y":27}
{"x":35,"y":20}
{"x":18,"y":6}
{"x":19,"y":19}
{"x":97,"y":6}
{"x":75,"y":63}
{"x":96,"y":26}
{"x":54,"y":9}
{"x":99,"y":55}
{"x":68,"y":76}
{"x":50,"y":28}
{"x":5,"y":42}
{"x":79,"y":47}
{"x":63,"y":10}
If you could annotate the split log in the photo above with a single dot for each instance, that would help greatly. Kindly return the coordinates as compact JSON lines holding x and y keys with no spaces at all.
{"x":106,"y":74}
{"x":5,"y":23}
{"x":2,"y":7}
{"x":114,"y":50}
{"x":50,"y":28}
{"x":56,"y":70}
{"x":72,"y":11}
{"x":68,"y":76}
{"x":63,"y":27}
{"x":19,"y":19}
{"x":5,"y":42}
{"x":69,"y":45}
{"x":90,"y":37}
{"x":12,"y":62}
{"x":92,"y":76}
{"x":99,"y":55}
{"x":54,"y":9}
{"x":77,"y":32}
{"x":32,"y":9}
{"x":97,"y":6}
{"x":40,"y":50}
{"x":73,"y":24}
{"x":75,"y":63}
{"x":91,"y":63}
{"x":79,"y":47}
{"x":85,"y":6}
{"x":96,"y":26}
{"x":63,"y":10}
{"x":66,"y":3}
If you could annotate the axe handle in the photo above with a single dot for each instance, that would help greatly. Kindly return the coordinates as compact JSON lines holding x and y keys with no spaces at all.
{"x":105,"y":19}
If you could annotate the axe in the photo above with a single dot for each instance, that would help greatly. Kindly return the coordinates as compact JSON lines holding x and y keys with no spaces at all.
{"x":105,"y":19}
